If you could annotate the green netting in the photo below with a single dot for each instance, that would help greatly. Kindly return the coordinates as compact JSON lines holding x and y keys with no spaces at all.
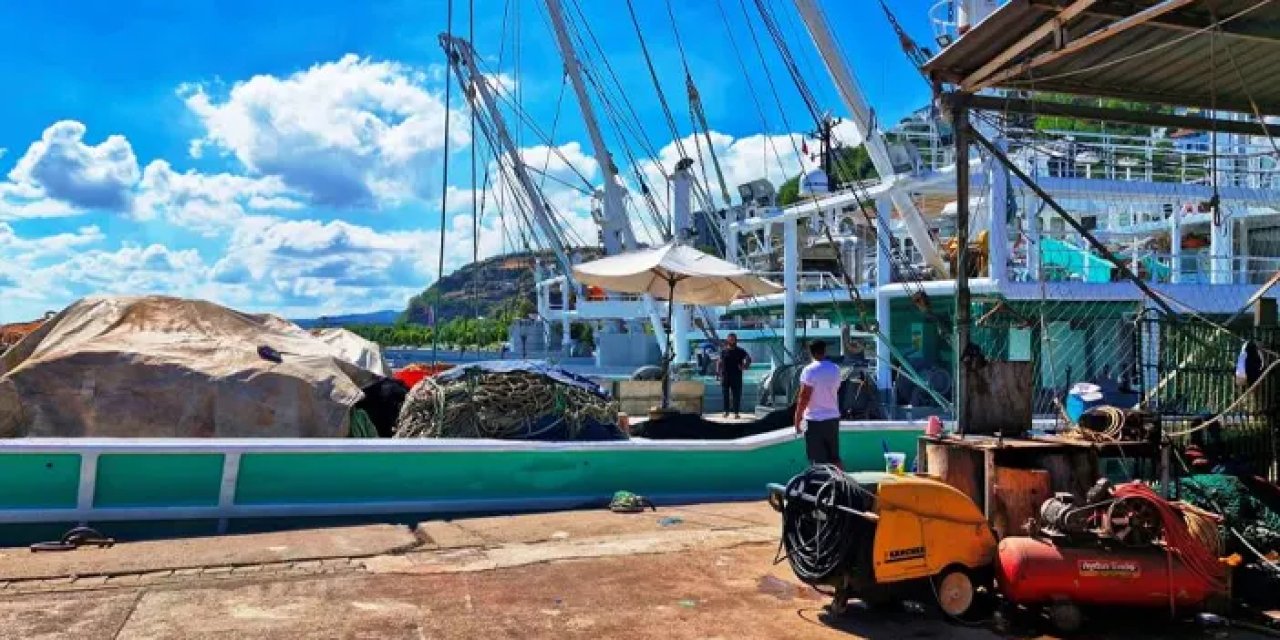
{"x":1068,"y":341}
{"x":361,"y":425}
{"x":1254,"y":515}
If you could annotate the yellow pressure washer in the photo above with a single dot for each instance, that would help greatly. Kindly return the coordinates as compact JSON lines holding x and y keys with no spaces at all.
{"x":881,"y":537}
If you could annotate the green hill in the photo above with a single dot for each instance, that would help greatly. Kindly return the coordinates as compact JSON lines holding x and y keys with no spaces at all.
{"x":486,"y":288}
{"x":498,"y":289}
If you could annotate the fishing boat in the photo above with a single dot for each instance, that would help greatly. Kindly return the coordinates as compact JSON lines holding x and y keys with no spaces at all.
{"x":1193,"y":214}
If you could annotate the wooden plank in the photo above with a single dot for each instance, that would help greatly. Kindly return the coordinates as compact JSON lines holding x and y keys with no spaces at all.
{"x":1018,"y":495}
{"x":989,"y":483}
{"x":999,"y":398}
{"x":1106,"y":32}
{"x":959,"y":467}
{"x":1264,"y":312}
{"x":1072,"y":472}
{"x":1023,"y":44}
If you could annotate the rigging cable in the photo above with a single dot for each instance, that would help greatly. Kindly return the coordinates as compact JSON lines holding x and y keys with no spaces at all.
{"x":773,"y":87}
{"x":789,"y":62}
{"x":697,"y":115}
{"x":755,"y":99}
{"x":618,"y":117}
{"x":475,"y":207}
{"x":915,"y":54}
{"x":643,"y":138}
{"x":699,"y":118}
{"x":653,"y":76}
{"x":444,"y":194}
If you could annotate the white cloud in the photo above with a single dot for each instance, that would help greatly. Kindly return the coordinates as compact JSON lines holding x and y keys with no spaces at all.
{"x":135,"y":269}
{"x":131,"y":269}
{"x":270,"y":203}
{"x":20,"y":251}
{"x":742,"y":160}
{"x":61,"y":166}
{"x":334,"y":266}
{"x":354,"y":132}
{"x":565,"y":163}
{"x":206,"y":203}
{"x":17,"y":208}
{"x":62,"y":176}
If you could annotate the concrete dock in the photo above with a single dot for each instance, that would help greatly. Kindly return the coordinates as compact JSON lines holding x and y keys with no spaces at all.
{"x":703,"y":571}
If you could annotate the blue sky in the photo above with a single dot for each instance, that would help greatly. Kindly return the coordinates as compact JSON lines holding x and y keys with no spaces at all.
{"x":286,"y":156}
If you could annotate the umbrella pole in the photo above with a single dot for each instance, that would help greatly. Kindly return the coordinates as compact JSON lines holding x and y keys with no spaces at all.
{"x":669,"y":356}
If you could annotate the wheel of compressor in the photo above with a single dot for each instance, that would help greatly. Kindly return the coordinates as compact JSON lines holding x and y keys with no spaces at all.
{"x":1134,"y":521}
{"x":956,"y":592}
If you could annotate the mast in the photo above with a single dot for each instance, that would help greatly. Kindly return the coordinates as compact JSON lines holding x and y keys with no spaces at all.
{"x":851,"y":93}
{"x":614,"y":219}
{"x":681,"y":223}
{"x":479,"y":93}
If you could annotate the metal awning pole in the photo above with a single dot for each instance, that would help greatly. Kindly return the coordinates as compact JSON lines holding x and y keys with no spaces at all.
{"x":960,"y":124}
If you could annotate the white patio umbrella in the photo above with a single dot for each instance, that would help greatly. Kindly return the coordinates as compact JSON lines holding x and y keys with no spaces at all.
{"x":676,"y":273}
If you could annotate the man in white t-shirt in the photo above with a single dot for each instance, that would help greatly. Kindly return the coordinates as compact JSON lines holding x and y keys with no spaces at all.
{"x":818,"y":408}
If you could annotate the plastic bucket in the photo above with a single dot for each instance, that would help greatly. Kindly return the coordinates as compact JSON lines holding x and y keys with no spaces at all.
{"x":1081,"y":398}
{"x":895,"y":463}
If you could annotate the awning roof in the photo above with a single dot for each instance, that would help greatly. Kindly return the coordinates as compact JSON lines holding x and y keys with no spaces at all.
{"x":1161,"y":51}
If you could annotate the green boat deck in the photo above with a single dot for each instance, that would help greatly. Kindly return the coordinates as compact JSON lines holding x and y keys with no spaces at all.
{"x":110,"y":483}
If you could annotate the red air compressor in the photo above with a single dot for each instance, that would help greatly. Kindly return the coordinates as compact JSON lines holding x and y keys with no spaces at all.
{"x":1125,"y":547}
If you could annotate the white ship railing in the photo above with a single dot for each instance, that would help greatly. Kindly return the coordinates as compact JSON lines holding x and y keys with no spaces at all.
{"x":1240,"y":161}
{"x":809,"y":280}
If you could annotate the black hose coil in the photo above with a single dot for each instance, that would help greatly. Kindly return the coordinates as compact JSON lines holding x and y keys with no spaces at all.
{"x":822,"y":541}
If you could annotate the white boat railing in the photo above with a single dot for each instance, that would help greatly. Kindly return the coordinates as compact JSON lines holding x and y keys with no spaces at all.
{"x":808,"y":280}
{"x":1239,"y":160}
{"x":1153,"y":267}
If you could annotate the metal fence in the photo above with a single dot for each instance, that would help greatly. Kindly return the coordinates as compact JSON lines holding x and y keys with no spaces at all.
{"x":1188,"y":376}
{"x":1067,"y":341}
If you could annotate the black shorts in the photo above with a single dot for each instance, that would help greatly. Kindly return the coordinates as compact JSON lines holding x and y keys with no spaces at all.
{"x":822,"y":441}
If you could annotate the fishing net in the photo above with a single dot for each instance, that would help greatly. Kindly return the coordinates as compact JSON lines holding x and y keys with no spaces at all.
{"x":1248,"y":510}
{"x":508,"y":404}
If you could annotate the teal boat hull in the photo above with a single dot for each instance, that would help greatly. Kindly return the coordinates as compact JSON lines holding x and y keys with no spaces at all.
{"x":212,"y":484}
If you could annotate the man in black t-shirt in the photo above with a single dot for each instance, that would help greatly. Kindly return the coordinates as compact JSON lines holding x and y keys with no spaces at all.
{"x":733,"y":361}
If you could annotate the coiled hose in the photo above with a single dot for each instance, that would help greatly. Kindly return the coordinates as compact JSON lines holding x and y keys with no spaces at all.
{"x":1183,"y":543}
{"x":821,"y":540}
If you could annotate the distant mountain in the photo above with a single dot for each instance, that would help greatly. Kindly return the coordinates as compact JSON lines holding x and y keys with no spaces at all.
{"x":486,"y":288}
{"x":374,"y":318}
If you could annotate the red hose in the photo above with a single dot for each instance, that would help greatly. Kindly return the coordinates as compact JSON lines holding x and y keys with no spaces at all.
{"x":1178,"y":538}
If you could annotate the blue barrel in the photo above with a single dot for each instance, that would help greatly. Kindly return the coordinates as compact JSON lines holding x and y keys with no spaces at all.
{"x":1081,"y":398}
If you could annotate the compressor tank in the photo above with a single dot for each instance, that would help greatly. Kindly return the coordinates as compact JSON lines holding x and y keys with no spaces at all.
{"x":1031,"y":571}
